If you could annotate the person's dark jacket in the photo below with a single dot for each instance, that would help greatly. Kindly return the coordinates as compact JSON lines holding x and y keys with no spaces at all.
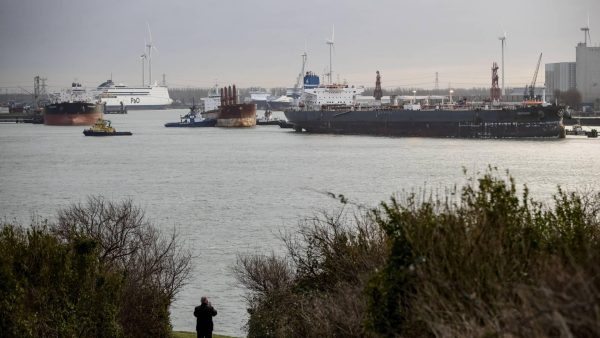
{"x":204,"y":314}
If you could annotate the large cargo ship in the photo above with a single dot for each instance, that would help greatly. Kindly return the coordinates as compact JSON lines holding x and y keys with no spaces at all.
{"x":73,"y":107}
{"x":117,"y":96}
{"x":333,"y":109}
{"x":232,"y":114}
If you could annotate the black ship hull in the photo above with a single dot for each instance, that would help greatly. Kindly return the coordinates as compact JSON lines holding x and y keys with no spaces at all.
{"x":88,"y":132}
{"x":526,"y":122}
{"x":204,"y":123}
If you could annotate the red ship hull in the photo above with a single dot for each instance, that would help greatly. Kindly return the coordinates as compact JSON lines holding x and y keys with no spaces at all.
{"x":72,"y":113}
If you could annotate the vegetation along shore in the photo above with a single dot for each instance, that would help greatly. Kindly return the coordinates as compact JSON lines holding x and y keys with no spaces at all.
{"x":484,"y":259}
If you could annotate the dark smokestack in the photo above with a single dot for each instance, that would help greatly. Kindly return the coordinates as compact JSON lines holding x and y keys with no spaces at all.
{"x":230,"y":96}
{"x":235,"y":101}
{"x":222,"y":96}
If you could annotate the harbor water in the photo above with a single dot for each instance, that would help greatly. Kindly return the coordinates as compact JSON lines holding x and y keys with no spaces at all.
{"x":234,"y":191}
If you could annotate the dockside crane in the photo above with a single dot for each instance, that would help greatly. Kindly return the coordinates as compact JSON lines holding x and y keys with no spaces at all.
{"x":530,"y":91}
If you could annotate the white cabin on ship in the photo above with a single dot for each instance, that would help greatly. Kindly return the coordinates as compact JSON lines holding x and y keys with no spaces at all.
{"x":147,"y":97}
{"x":333,"y":94}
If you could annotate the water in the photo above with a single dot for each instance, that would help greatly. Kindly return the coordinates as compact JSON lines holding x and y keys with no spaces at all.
{"x":230,"y":191}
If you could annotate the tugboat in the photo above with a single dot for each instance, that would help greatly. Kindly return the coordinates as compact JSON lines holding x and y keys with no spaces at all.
{"x":103,"y":128}
{"x":577,"y":129}
{"x":267,"y":119}
{"x":193,"y":119}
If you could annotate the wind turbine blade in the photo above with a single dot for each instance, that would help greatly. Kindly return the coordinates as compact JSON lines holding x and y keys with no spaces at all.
{"x":149,"y":32}
{"x":332,"y":33}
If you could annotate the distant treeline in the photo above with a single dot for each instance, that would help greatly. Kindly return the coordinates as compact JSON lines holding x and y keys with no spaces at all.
{"x":184,"y":96}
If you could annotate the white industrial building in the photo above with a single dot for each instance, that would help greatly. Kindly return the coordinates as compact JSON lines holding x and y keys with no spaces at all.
{"x":560,"y":76}
{"x":588,"y":74}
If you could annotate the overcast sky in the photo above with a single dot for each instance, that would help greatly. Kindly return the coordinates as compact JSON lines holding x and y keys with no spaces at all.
{"x":259,"y":42}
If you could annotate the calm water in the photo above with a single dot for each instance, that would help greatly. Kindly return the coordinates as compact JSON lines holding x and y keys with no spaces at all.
{"x":232,"y":191}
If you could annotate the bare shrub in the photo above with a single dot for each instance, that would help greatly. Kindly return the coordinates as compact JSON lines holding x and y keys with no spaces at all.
{"x":316,"y":289}
{"x":154,"y":266}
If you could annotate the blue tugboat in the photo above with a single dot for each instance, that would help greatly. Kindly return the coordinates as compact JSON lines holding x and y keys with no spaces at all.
{"x":193,"y":119}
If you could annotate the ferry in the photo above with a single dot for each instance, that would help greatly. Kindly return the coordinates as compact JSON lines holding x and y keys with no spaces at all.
{"x":119,"y":96}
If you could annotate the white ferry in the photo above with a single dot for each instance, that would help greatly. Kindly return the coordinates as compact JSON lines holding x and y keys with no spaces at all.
{"x":117,"y":96}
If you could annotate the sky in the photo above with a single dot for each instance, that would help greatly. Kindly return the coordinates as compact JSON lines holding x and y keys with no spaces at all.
{"x":259,"y":42}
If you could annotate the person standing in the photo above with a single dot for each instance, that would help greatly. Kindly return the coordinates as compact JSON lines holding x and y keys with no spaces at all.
{"x":204,"y":314}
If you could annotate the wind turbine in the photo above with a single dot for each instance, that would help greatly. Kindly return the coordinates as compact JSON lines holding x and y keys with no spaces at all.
{"x":330,"y":42}
{"x":503,"y":42}
{"x":586,"y":32}
{"x":150,"y":46}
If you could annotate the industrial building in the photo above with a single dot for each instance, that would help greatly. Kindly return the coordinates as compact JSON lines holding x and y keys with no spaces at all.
{"x":560,"y":76}
{"x":588,"y":74}
{"x":583,"y":74}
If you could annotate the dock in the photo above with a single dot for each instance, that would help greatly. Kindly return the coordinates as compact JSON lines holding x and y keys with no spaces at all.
{"x":21,"y":118}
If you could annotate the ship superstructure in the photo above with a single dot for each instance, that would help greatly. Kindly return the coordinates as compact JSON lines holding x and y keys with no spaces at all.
{"x":116,"y":96}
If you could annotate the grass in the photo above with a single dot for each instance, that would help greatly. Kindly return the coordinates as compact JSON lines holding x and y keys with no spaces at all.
{"x":184,"y":334}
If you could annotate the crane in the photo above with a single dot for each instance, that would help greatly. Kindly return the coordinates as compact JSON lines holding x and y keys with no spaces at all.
{"x":297,"y":92}
{"x":532,"y":85}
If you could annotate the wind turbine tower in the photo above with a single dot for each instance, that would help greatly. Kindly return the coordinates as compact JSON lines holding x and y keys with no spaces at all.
{"x":330,"y":43}
{"x":503,"y":42}
{"x":143,"y":57}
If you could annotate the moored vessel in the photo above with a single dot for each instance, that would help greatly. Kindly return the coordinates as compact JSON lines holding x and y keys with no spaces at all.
{"x":333,"y":109}
{"x":267,"y":119}
{"x":233,"y":114}
{"x":193,"y":119}
{"x":118,"y":97}
{"x":74,"y":107}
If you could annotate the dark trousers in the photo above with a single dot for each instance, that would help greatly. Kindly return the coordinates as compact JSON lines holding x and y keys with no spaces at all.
{"x":204,"y":334}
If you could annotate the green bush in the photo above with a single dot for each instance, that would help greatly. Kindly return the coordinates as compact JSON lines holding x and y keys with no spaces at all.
{"x":483,"y":260}
{"x":488,"y":263}
{"x":54,"y":289}
{"x":101,"y":270}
